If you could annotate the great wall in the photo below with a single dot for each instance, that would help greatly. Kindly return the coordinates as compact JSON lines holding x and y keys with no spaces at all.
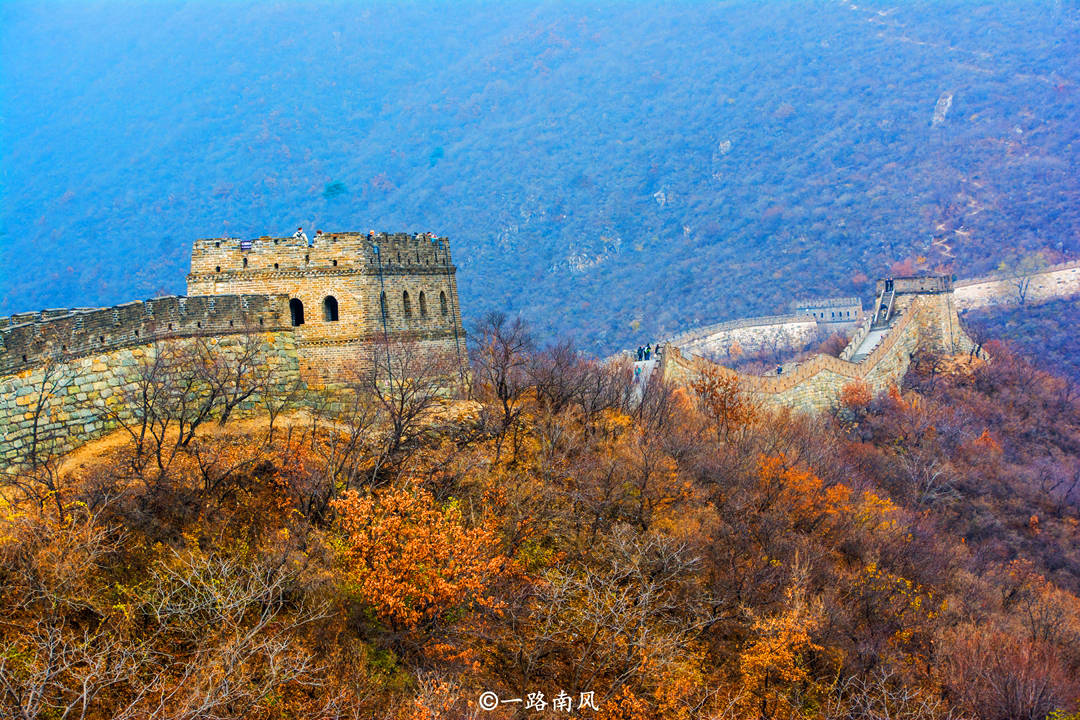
{"x":304,"y":311}
{"x":910,"y":314}
{"x":921,"y":314}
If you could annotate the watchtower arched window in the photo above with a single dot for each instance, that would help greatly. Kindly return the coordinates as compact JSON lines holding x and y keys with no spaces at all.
{"x":442,"y":302}
{"x":245,"y":262}
{"x":423,"y":305}
{"x":406,"y":304}
{"x":383,"y":306}
{"x":329,"y":308}
{"x":296,"y":310}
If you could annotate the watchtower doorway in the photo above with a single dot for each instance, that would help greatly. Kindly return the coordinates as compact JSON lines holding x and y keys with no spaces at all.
{"x":330,"y":311}
{"x":296,"y":311}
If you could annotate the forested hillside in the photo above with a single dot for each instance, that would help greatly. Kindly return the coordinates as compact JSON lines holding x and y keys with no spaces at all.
{"x":397,"y":556}
{"x":1047,"y":333}
{"x":617,"y":171}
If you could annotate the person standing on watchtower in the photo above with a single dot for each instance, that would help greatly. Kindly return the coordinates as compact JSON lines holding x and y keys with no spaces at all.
{"x":301,"y":235}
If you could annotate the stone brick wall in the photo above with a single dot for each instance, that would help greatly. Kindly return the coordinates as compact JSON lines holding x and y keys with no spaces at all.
{"x":783,"y":333}
{"x":778,"y":332}
{"x":834,"y":313}
{"x":929,"y":322}
{"x":29,"y":339}
{"x":1056,"y":281}
{"x":73,"y":400}
{"x":389,"y":286}
{"x":316,"y":311}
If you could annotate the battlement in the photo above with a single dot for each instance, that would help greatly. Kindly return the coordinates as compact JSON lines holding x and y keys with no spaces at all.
{"x":922,"y":284}
{"x":834,"y":310}
{"x":803,"y":304}
{"x":930,"y":322}
{"x":1004,"y":276}
{"x":341,"y":253}
{"x":345,"y":290}
{"x":29,"y":339}
{"x":697,"y":335}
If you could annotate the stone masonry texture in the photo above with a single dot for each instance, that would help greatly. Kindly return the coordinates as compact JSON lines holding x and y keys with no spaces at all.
{"x":319,"y":308}
{"x":927,"y":320}
{"x":353,"y":290}
{"x":315,"y":310}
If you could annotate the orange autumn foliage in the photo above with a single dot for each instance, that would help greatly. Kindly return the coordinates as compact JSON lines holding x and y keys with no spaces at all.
{"x":723,"y":401}
{"x":410,"y":560}
{"x":856,"y":395}
{"x":801,"y":494}
{"x":773,"y":665}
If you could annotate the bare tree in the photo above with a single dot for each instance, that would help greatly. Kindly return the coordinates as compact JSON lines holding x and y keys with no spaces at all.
{"x":37,"y":472}
{"x":181,"y":385}
{"x":883,"y":695}
{"x":603,"y":386}
{"x":238,"y":622}
{"x":637,"y":603}
{"x":140,"y":401}
{"x":58,"y":659}
{"x":405,"y":382}
{"x":278,"y":392}
{"x":555,"y":372}
{"x":1020,"y":272}
{"x":343,"y":432}
{"x":232,"y":370}
{"x":501,"y":355}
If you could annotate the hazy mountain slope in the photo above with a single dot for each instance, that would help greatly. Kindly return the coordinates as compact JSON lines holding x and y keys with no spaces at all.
{"x":1046,"y":333}
{"x":600,"y":168}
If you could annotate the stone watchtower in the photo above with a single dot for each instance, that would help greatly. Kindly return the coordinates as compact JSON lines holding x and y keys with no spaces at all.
{"x":346,"y":291}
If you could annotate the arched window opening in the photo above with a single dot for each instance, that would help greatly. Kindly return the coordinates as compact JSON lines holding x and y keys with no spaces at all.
{"x":442,"y":302}
{"x":245,"y":262}
{"x":383,"y":306}
{"x":296,"y":310}
{"x":406,"y":304}
{"x":329,"y":309}
{"x":423,"y":305}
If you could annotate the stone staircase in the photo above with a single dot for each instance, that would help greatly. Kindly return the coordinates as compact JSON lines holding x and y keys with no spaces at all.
{"x":871,"y":341}
{"x":870,"y":335}
{"x":884,"y":309}
{"x":643,"y":370}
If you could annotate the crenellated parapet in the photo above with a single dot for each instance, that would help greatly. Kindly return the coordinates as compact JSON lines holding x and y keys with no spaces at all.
{"x":346,"y":291}
{"x":30,"y":339}
{"x":926,"y":319}
{"x":1055,"y":281}
{"x":830,"y":311}
{"x":329,"y":254}
{"x":292,"y":312}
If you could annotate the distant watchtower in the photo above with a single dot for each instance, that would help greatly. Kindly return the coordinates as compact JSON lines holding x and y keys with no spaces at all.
{"x":346,"y":291}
